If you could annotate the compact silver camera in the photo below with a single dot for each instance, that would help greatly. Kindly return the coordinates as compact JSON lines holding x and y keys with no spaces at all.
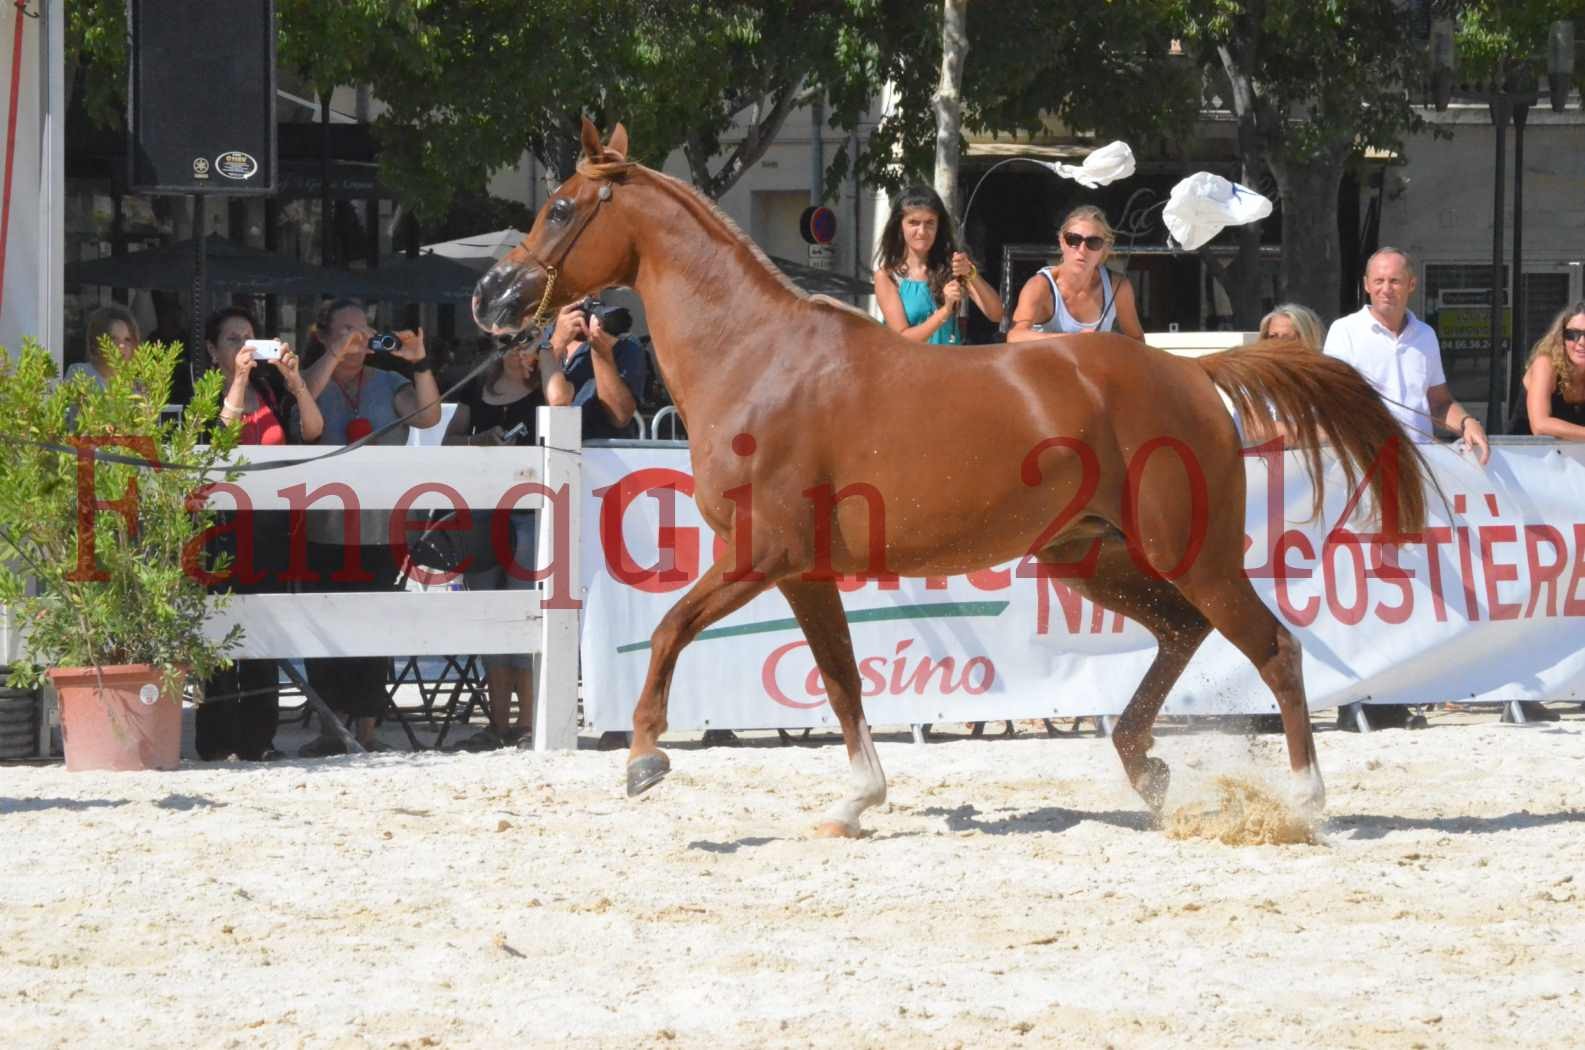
{"x":264,"y":349}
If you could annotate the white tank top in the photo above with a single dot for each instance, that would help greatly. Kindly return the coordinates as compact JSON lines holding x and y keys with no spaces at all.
{"x":1062,"y":321}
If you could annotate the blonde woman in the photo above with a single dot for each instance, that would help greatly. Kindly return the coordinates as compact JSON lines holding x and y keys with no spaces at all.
{"x":1294,"y":323}
{"x":1554,"y":381}
{"x":1079,"y":294}
{"x":113,"y":322}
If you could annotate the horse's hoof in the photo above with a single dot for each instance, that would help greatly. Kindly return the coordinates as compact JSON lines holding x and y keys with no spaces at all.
{"x":1153,"y":783}
{"x":645,"y":771}
{"x":836,"y":829}
{"x":1307,"y":794}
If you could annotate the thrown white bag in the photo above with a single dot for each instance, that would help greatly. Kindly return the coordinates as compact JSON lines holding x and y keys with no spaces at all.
{"x":1106,"y":165}
{"x":1203,"y":204}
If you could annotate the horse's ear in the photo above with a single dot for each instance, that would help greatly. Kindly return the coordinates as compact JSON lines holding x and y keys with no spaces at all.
{"x":618,"y":141}
{"x":591,"y":140}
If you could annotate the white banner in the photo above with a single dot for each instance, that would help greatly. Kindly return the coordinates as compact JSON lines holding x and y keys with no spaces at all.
{"x":1487,"y":607}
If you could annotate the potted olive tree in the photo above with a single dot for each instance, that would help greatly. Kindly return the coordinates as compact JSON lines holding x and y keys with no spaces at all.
{"x":101,"y":561}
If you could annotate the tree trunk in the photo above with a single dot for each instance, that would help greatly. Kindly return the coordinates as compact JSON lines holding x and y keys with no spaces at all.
{"x":1240,"y":278}
{"x":949,"y":99}
{"x":761,"y":135}
{"x":1312,"y":249}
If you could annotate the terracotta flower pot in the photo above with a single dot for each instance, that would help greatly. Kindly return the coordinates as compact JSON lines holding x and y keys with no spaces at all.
{"x":128,"y":724}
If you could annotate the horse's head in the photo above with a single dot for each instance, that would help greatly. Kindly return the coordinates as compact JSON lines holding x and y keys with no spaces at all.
{"x":575,"y":246}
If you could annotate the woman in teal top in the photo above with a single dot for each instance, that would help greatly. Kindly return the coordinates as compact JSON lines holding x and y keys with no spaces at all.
{"x":919,"y":280}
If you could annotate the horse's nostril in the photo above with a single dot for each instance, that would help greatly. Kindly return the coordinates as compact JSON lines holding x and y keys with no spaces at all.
{"x":498,"y":301}
{"x":489,"y":287}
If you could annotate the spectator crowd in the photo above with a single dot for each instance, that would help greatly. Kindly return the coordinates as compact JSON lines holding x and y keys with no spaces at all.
{"x":355,"y":382}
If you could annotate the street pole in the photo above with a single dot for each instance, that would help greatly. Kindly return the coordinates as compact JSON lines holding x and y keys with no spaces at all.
{"x":1494,"y":370}
{"x":327,"y":204}
{"x":1518,"y":344}
{"x":198,"y":305}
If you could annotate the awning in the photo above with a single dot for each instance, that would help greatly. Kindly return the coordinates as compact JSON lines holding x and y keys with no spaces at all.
{"x":480,"y":251}
{"x":234,"y":267}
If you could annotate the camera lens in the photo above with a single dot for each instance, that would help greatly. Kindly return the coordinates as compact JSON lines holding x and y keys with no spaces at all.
{"x":383,"y":342}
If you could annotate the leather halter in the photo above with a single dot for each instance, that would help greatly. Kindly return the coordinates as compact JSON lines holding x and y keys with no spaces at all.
{"x":569,"y":238}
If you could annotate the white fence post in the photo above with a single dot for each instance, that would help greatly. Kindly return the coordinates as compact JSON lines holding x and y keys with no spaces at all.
{"x":561,"y":519}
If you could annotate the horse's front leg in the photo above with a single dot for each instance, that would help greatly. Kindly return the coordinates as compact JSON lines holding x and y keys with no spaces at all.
{"x":713,"y":596}
{"x":818,"y":607}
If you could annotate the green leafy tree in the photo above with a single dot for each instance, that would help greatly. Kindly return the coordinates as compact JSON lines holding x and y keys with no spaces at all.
{"x":470,"y":87}
{"x":1310,"y":85}
{"x":1105,"y":69}
{"x":96,"y":57}
{"x":1500,"y":40}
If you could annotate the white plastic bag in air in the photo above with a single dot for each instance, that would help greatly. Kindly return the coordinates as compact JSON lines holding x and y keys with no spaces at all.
{"x":1203,"y":204}
{"x":1106,"y":165}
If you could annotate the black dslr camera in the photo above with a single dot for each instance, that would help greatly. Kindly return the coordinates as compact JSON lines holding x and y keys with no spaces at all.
{"x":615,"y":320}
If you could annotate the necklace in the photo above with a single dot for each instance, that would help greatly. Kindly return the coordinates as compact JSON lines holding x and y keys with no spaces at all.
{"x":358,"y":428}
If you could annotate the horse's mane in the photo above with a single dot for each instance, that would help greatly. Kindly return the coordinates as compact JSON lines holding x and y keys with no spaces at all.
{"x":614,"y":167}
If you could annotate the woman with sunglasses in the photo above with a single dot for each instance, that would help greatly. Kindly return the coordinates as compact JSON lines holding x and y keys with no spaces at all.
{"x":919,"y":279}
{"x":1554,"y":381}
{"x":1080,"y":294}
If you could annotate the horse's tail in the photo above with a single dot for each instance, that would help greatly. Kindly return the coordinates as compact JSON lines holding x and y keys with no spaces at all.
{"x":1321,"y":399}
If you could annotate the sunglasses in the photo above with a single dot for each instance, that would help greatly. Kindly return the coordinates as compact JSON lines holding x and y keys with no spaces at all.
{"x":1573,"y":335}
{"x":1094,"y":242}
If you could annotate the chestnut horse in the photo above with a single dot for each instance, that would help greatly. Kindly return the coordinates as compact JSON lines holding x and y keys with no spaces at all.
{"x":823,"y":443}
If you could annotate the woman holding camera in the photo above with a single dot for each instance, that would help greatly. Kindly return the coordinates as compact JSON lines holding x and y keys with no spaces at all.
{"x":508,"y":395}
{"x":355,"y":400}
{"x":242,"y":721}
{"x":500,"y":409}
{"x":249,"y":395}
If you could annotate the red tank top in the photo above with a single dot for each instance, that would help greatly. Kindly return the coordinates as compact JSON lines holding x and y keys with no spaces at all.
{"x":262,"y":426}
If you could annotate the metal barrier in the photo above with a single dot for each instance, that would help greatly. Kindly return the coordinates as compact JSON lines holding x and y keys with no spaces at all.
{"x":668,"y":417}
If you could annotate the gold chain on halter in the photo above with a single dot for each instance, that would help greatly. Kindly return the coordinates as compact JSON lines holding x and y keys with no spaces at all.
{"x":542,"y":311}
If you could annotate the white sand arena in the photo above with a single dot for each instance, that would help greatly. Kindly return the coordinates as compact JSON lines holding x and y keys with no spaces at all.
{"x":1013,"y":893}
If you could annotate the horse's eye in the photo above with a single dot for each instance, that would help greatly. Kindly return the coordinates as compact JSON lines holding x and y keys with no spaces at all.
{"x":561,"y":210}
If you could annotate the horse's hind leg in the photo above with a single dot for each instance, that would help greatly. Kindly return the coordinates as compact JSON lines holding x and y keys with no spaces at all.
{"x":1179,"y":628}
{"x":711,"y":597}
{"x":1236,"y":610}
{"x":818,"y":607}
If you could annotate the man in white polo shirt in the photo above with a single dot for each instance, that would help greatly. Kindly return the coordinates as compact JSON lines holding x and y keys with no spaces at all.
{"x":1398,"y":354}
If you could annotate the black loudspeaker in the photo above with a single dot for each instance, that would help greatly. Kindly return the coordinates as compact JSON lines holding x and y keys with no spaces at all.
{"x":201,"y":96}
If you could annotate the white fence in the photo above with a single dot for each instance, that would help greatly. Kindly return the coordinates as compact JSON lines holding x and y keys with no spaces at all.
{"x":1198,"y":344}
{"x":545,"y":478}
